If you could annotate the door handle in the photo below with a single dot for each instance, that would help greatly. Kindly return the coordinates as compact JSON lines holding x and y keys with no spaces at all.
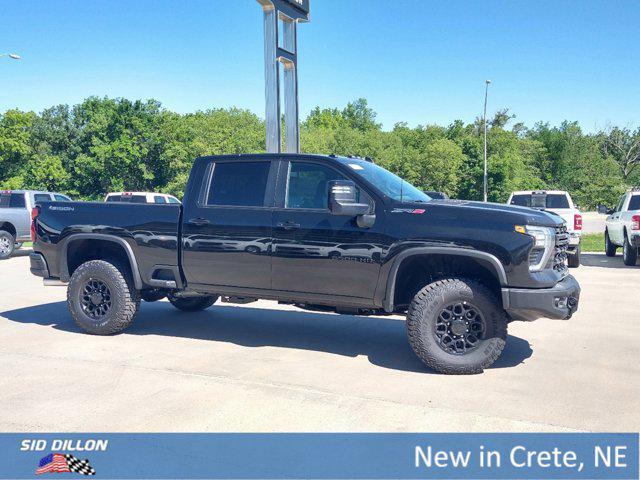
{"x":199,"y":221}
{"x":288,"y":225}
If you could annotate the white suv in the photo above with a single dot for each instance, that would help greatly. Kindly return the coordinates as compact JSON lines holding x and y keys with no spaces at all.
{"x":141,"y":197}
{"x":560,"y":203}
{"x":622,"y":227}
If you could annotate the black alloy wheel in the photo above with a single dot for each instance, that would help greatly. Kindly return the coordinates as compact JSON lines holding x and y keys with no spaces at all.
{"x":95,"y":299}
{"x":459,"y":328}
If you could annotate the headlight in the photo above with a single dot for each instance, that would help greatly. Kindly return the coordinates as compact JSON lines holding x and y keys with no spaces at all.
{"x":544,"y":242}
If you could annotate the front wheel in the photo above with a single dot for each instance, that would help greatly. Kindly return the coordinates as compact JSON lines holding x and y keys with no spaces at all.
{"x":7,"y":244}
{"x":609,"y":248}
{"x":629,"y":253}
{"x":102,"y":298}
{"x":192,"y":304}
{"x":573,"y":260}
{"x":456,"y":326}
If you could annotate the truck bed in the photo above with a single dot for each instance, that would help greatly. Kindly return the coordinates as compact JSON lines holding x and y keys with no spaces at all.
{"x":150,"y":230}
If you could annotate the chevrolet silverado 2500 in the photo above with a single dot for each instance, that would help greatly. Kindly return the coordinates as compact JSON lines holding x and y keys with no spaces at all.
{"x":320,"y":232}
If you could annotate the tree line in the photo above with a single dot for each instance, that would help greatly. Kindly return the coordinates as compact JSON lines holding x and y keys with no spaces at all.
{"x":107,"y":144}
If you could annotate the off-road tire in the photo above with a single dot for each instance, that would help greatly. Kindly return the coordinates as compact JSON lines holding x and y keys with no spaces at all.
{"x":609,"y":247}
{"x":125,"y":299}
{"x":7,"y":244}
{"x":629,"y":253}
{"x":192,"y":304}
{"x":573,"y":260}
{"x":423,"y":314}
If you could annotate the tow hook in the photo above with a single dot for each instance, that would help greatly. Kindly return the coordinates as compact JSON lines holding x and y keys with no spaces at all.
{"x":572,"y":303}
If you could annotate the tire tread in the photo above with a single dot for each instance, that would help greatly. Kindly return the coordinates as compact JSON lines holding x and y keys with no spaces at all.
{"x":423,"y":301}
{"x":124,"y":289}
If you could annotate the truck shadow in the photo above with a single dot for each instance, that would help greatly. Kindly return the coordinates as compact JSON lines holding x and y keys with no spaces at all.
{"x":601,"y":260}
{"x":382,"y":339}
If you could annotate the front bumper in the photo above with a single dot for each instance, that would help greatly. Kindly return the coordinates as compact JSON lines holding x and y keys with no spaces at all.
{"x":559,"y":301}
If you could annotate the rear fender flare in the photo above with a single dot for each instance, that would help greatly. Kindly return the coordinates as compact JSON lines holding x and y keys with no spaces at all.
{"x":64,"y":249}
{"x":488,"y":259}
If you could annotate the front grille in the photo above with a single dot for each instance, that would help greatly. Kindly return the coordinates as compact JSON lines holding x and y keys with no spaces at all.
{"x":560,"y":252}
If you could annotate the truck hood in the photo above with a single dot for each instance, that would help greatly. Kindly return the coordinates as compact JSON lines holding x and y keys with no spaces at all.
{"x":498,"y":211}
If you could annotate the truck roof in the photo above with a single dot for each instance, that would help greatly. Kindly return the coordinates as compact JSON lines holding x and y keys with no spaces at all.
{"x":24,"y":191}
{"x":138,"y":193}
{"x":271,"y":156}
{"x":529,"y":192}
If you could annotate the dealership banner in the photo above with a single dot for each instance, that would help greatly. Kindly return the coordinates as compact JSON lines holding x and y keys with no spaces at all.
{"x":319,"y":455}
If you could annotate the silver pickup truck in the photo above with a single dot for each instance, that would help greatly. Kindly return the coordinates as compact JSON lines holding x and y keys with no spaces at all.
{"x":15,"y":216}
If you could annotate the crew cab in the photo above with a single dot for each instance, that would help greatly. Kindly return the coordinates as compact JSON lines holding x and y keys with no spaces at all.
{"x":320,"y":232}
{"x":15,"y":216}
{"x":560,"y":203}
{"x":140,"y":197}
{"x":622,"y":227}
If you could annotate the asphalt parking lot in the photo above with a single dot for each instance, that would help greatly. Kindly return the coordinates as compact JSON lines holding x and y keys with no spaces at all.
{"x":265,"y":367}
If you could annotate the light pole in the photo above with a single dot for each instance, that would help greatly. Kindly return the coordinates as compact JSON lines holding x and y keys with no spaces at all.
{"x":486,"y":93}
{"x":15,"y":56}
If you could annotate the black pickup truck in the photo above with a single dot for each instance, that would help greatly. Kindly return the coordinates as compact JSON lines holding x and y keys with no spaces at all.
{"x":321,"y":232}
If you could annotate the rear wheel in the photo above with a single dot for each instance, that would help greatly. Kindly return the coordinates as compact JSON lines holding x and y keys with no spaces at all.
{"x":456,"y":326}
{"x":609,"y":248}
{"x":7,"y":244}
{"x":629,"y":253}
{"x":573,"y":260}
{"x":192,"y":304}
{"x":102,"y":298}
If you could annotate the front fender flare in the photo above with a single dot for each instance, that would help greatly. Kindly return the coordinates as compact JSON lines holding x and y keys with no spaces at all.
{"x":490,"y":260}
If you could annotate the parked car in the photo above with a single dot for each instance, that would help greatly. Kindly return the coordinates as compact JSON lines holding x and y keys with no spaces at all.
{"x":15,"y":216}
{"x":437,"y":195}
{"x":560,"y":203}
{"x":622,"y":227}
{"x":141,"y":197}
{"x":460,"y":270}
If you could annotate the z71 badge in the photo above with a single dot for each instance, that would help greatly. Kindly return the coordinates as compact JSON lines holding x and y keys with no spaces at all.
{"x":414,"y":211}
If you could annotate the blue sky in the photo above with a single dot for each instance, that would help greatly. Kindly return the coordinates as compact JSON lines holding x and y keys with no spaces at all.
{"x":418,"y":61}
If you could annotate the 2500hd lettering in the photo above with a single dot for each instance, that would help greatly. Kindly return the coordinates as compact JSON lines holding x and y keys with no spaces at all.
{"x":320,"y":232}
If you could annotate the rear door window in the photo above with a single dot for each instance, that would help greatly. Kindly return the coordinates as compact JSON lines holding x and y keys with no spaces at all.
{"x":61,"y":198}
{"x":159,"y":199}
{"x":239,"y":184}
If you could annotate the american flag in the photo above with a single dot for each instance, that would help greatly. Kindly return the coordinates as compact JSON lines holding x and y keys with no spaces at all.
{"x":54,"y":462}
{"x":61,"y":463}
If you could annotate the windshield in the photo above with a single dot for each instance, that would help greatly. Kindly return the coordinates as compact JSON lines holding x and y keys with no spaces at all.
{"x":388,"y":183}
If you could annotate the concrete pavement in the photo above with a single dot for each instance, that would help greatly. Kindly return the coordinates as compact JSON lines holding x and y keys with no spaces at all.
{"x":267,"y":367}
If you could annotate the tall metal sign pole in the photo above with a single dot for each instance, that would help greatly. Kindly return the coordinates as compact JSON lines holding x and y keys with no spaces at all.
{"x":281,"y":47}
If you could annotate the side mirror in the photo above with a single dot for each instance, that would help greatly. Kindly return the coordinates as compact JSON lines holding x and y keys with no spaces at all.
{"x":343,"y":199}
{"x":603,"y":209}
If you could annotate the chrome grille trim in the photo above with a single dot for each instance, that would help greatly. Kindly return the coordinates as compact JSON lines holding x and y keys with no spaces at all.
{"x":560,"y":252}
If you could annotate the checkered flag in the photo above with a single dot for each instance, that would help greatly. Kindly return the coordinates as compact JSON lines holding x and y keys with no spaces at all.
{"x":79,"y":466}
